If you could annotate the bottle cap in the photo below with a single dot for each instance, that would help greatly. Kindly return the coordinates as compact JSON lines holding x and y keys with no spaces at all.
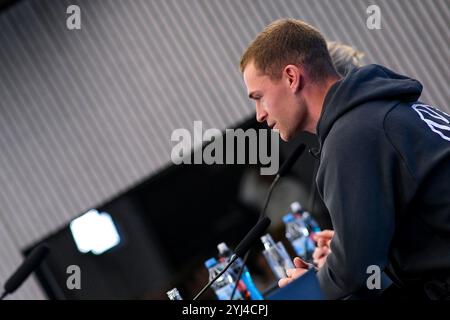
{"x":222,"y":247}
{"x":267,"y":239}
{"x":296,"y":206}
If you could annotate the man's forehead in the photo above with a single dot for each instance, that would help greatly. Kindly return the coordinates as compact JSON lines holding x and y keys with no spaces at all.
{"x":252,"y":70}
{"x":253,"y":77}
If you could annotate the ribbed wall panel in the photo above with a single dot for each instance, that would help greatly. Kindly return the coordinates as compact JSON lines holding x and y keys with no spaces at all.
{"x":86,"y":114}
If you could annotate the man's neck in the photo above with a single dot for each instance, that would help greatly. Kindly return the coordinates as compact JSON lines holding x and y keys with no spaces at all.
{"x":315,"y":96}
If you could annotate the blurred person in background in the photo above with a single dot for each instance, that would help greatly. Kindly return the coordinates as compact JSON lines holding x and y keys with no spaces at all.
{"x":345,"y":58}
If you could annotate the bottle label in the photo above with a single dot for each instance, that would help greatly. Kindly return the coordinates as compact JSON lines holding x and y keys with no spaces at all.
{"x":254,"y":292}
{"x":224,"y":293}
{"x":310,"y":244}
{"x":299,"y":246}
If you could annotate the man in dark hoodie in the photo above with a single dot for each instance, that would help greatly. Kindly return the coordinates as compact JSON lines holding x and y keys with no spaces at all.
{"x":384,"y":170}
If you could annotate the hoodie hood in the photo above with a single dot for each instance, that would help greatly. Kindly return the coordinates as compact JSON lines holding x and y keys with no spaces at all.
{"x":362,"y":85}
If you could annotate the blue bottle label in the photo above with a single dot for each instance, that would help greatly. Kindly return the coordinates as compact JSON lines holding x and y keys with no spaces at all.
{"x":299,"y":246}
{"x":224,"y":293}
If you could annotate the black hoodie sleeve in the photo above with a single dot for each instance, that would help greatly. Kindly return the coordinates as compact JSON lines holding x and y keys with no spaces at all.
{"x":356,"y":180}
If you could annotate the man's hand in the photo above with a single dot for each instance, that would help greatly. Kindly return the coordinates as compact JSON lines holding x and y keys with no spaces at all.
{"x":320,"y":256}
{"x":322,"y":250}
{"x":323,"y":238}
{"x":301,"y":267}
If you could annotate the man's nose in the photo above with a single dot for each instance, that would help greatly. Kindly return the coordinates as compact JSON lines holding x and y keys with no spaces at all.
{"x":261,"y":115}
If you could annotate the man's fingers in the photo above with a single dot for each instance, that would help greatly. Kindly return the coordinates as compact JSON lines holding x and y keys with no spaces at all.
{"x":283,"y":282}
{"x":320,"y":262}
{"x":294,"y":272}
{"x":289,"y":272}
{"x":321,"y":242}
{"x":299,"y":263}
{"x":319,"y":252}
{"x":326,"y":234}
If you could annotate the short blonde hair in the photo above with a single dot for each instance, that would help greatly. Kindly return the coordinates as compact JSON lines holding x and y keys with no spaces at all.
{"x":289,"y":41}
{"x":344,"y":57}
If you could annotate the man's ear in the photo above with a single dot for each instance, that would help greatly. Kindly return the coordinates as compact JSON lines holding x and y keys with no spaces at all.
{"x":294,"y":76}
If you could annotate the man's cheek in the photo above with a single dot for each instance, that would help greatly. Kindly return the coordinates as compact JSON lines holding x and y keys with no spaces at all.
{"x":264,"y":105}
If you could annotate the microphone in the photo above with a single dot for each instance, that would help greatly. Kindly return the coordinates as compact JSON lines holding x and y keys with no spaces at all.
{"x":30,"y":263}
{"x":249,"y":240}
{"x":251,"y":237}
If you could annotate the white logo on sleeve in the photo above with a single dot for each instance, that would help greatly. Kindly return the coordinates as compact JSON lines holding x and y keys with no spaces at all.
{"x":438,"y":121}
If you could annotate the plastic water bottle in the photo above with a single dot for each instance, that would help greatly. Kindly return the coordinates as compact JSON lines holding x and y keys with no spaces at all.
{"x":224,"y":285}
{"x":305,"y":216}
{"x":247,"y":287}
{"x":224,"y":256}
{"x":174,"y":294}
{"x":276,"y":256}
{"x":298,"y":236}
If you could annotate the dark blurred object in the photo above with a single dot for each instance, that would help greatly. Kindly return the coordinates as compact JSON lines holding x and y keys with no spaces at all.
{"x":31,"y":262}
{"x":5,"y":4}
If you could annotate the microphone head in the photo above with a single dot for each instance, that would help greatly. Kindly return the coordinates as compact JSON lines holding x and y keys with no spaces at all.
{"x":252,"y":237}
{"x":287,"y":165}
{"x":30,"y":263}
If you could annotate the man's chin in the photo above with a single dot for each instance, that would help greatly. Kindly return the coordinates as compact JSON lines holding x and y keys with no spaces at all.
{"x":285,"y":137}
{"x":281,"y":134}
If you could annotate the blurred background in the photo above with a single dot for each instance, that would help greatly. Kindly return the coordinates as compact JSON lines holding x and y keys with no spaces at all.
{"x":86,"y":118}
